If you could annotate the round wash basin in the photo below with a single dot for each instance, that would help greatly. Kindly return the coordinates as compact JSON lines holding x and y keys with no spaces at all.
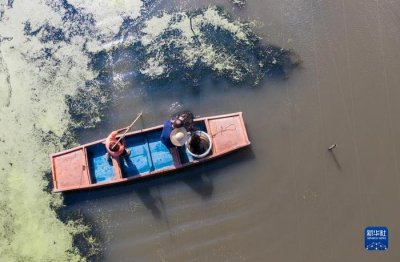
{"x":199,"y":144}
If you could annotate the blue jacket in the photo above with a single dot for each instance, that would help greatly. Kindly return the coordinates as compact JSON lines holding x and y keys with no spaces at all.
{"x":165,"y":134}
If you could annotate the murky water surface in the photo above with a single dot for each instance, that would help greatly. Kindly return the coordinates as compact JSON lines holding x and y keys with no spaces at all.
{"x":285,"y":198}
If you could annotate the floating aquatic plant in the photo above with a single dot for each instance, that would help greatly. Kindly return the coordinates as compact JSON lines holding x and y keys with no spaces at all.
{"x":239,"y":3}
{"x":187,"y":46}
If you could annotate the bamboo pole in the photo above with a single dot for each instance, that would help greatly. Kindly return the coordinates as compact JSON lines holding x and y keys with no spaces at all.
{"x":126,"y":131}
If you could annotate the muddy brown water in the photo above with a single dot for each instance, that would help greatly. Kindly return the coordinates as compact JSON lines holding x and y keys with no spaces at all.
{"x":285,"y":198}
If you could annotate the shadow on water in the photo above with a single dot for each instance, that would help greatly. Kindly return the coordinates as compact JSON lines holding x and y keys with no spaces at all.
{"x":198,"y":178}
{"x":202,"y":184}
{"x":332,"y":153}
{"x":150,"y":200}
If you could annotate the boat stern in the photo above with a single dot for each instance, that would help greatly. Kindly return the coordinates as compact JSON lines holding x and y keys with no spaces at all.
{"x":70,"y":170}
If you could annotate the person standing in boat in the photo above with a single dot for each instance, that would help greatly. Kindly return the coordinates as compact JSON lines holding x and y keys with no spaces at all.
{"x":113,"y":149}
{"x":184,"y":119}
{"x":175,"y":133}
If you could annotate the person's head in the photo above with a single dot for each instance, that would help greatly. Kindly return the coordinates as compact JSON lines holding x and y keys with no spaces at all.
{"x":184,"y":119}
{"x":116,"y":148}
{"x":178,"y":122}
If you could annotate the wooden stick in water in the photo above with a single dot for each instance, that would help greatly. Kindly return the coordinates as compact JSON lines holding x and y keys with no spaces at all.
{"x":126,"y":131}
{"x":332,"y":147}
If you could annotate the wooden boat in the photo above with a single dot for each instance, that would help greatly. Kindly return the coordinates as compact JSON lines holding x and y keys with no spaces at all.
{"x":85,"y":166}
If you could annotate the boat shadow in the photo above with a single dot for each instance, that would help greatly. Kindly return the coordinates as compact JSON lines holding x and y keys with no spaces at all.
{"x":198,"y":178}
{"x":151,"y":201}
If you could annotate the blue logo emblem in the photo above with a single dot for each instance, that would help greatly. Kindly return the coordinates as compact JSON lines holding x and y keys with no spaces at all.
{"x":376,"y":238}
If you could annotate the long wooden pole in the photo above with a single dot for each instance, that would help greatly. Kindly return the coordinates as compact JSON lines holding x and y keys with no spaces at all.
{"x":126,"y":131}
